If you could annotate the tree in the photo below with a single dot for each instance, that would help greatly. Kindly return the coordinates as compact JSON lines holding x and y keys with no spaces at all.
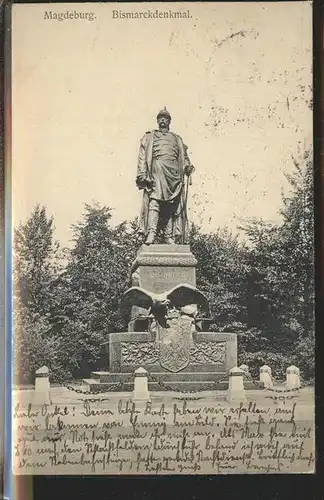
{"x":297,"y":235}
{"x":33,"y":346}
{"x":279,"y":279}
{"x":95,"y":278}
{"x":37,"y":262}
{"x":219,"y":269}
{"x":37,"y":267}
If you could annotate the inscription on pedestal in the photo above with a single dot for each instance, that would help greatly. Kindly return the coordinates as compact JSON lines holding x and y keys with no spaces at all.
{"x":159,"y":268}
{"x":161,"y":279}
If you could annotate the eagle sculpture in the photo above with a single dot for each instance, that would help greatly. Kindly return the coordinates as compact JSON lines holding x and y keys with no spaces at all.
{"x":180,"y":297}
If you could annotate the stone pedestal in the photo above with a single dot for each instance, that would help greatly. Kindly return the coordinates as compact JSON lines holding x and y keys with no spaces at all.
{"x":208,"y":366}
{"x":200,"y":360}
{"x":158,"y":268}
{"x":216,"y":352}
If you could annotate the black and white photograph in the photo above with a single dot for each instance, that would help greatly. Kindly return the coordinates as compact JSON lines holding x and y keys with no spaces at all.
{"x":162,"y":182}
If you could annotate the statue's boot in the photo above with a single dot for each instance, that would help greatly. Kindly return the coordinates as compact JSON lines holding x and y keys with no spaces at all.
{"x":168,"y":236}
{"x":153,"y":220}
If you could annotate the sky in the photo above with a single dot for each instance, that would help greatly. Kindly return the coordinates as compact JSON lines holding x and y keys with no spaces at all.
{"x":236,"y":78}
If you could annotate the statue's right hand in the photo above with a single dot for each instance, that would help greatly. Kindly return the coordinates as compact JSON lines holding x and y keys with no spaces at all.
{"x":141,"y":181}
{"x":149,"y":184}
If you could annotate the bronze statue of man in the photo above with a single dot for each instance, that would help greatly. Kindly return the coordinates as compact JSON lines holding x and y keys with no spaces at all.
{"x":163,"y":165}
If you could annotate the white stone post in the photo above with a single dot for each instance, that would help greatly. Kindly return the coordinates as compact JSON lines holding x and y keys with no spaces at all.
{"x":141,"y":392}
{"x":236,"y":392}
{"x":292,"y":377}
{"x":298,"y":377}
{"x":266,"y":377}
{"x":42,"y":386}
{"x":245,"y":369}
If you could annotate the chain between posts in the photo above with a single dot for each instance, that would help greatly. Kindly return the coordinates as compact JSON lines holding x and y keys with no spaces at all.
{"x":183,"y":393}
{"x":117,"y":385}
{"x":280,"y":390}
{"x":208,"y":387}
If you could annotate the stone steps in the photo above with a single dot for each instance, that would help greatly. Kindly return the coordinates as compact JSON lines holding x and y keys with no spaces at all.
{"x":189,"y":386}
{"x":165,"y":376}
{"x":163,"y":381}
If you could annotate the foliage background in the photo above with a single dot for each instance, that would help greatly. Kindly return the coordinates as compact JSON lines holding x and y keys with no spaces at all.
{"x":67,"y":301}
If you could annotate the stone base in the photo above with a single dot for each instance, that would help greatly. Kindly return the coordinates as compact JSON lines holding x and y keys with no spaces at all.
{"x":157,"y":381}
{"x":208,"y":367}
{"x":216,"y":353}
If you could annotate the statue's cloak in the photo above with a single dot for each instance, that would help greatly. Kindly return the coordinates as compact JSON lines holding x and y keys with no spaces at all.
{"x":144,"y":167}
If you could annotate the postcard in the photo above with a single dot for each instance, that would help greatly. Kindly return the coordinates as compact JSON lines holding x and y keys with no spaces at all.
{"x":163,"y":256}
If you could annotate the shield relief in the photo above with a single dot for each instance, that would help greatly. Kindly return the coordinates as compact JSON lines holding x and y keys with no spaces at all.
{"x":175,"y":342}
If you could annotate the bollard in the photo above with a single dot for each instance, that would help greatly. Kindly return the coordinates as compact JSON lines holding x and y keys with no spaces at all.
{"x":42,"y":386}
{"x":292,"y":377}
{"x":265,"y":376}
{"x":298,"y":377}
{"x":245,"y":369}
{"x":236,"y":392}
{"x":141,"y":392}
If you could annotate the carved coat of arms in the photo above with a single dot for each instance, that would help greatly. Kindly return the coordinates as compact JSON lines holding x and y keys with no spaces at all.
{"x":175,"y":342}
{"x":173,"y":314}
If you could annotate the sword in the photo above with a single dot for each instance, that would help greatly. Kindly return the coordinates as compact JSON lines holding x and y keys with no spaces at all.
{"x":189,"y":183}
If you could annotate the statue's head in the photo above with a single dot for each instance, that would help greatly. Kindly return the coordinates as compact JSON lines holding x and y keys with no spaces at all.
{"x":164,"y":119}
